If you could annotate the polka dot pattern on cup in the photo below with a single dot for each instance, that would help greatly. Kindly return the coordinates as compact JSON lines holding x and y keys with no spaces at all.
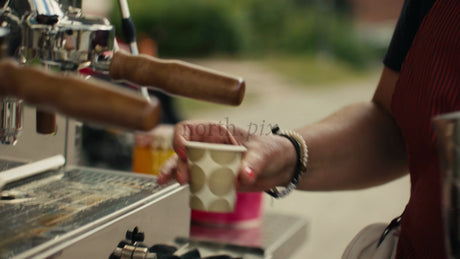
{"x":195,"y":202}
{"x":212,"y":178}
{"x":195,"y":154}
{"x":223,"y":157}
{"x":221,"y":181}
{"x":220,"y":205}
{"x":197,"y":178}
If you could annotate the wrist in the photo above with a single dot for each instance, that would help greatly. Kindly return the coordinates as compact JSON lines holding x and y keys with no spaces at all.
{"x":289,"y":157}
{"x":301,"y":151}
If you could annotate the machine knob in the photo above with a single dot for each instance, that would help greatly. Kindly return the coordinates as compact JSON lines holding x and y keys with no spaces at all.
{"x":122,"y":244}
{"x":132,"y":252}
{"x":116,"y":254}
{"x":132,"y":247}
{"x":135,"y":235}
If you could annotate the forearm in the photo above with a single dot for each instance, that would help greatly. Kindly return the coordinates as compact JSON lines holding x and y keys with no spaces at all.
{"x":357,"y":147}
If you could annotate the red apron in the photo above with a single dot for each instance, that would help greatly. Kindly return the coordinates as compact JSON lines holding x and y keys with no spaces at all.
{"x":428,"y":85}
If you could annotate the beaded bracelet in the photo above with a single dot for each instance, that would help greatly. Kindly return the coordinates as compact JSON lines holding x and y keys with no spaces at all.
{"x":301,"y":163}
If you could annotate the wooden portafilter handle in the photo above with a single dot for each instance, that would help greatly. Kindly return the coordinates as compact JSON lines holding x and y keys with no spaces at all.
{"x":178,"y":78}
{"x":88,"y":100}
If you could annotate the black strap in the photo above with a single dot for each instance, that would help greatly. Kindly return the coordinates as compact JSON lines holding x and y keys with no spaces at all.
{"x":394,"y":223}
{"x":296,"y":178}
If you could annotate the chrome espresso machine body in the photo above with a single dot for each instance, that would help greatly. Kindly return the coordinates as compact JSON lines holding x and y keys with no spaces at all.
{"x":50,"y":207}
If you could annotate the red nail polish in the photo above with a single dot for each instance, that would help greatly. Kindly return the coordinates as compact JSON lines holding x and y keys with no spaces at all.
{"x":250,"y":173}
{"x":181,"y":153}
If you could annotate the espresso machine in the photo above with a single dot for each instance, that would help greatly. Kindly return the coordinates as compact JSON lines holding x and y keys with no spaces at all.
{"x":50,"y":206}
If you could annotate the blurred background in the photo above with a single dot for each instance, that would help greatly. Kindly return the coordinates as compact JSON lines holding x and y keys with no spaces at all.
{"x":301,"y":60}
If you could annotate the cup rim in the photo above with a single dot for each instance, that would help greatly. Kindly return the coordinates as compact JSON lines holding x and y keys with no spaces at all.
{"x":215,"y":146}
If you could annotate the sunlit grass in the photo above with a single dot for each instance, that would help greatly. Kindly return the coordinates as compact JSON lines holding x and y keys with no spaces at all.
{"x":189,"y":106}
{"x":312,"y":71}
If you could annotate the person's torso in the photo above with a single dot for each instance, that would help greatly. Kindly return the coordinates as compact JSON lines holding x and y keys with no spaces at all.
{"x":428,"y":85}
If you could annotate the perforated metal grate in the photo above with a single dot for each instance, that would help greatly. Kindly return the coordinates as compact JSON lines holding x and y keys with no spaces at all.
{"x":38,"y":209}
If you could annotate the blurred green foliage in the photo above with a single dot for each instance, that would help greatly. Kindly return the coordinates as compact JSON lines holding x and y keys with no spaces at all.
{"x":184,"y":27}
{"x":197,"y":28}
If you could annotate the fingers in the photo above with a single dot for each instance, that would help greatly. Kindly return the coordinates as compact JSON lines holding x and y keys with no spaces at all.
{"x":268,"y":162}
{"x":168,"y":170}
{"x":182,"y":173}
{"x":252,"y":173}
{"x":204,"y":132}
{"x":181,"y":135}
{"x":251,"y":166}
{"x":200,"y":131}
{"x":174,"y":168}
{"x":196,"y":131}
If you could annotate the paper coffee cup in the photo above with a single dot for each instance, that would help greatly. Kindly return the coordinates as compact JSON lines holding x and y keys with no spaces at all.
{"x":213,"y":170}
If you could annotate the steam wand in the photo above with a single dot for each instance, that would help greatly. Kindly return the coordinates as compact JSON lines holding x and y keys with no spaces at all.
{"x":129,"y":33}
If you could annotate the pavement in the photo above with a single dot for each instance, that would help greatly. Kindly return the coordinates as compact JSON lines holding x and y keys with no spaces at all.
{"x":334,"y":217}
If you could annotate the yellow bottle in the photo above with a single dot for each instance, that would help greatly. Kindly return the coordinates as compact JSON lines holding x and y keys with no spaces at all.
{"x":152,"y":149}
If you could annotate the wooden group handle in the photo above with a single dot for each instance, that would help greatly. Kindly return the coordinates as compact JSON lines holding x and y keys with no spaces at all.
{"x":88,"y":100}
{"x":178,"y":78}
